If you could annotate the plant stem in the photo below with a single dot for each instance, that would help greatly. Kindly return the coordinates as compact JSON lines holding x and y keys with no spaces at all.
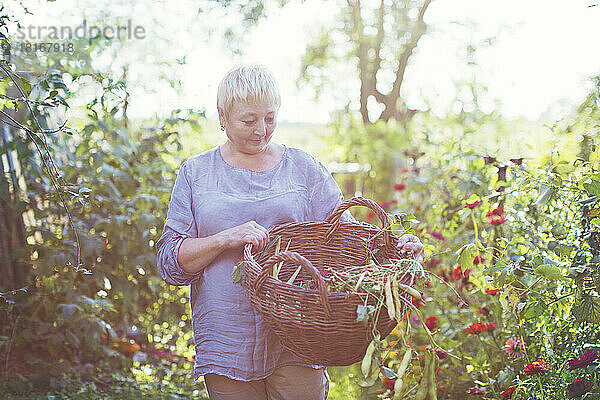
{"x":529,"y":361}
{"x":12,"y":335}
{"x":485,"y":372}
{"x":500,"y":348}
{"x":541,"y":387}
{"x":475,"y":229}
{"x":531,"y":286}
{"x":560,"y":298}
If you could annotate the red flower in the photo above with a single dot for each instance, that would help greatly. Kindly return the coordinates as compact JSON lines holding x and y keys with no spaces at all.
{"x":404,"y":170}
{"x":496,"y":216}
{"x":476,"y":328}
{"x":588,"y":358}
{"x":457,"y":273}
{"x":478,"y":260}
{"x":472,"y":204}
{"x":431,"y":323}
{"x":483,"y":311}
{"x":437,"y":235}
{"x":495,"y":211}
{"x":476,"y":391}
{"x":426,"y":283}
{"x":507,"y":394}
{"x":399,"y":186}
{"x":579,"y":387}
{"x":389,"y":383}
{"x":536,"y":367}
{"x":496,"y":219}
{"x":492,"y":290}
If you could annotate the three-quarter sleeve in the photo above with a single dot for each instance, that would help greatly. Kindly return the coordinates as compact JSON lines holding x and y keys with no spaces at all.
{"x":326,"y":196}
{"x":179,"y":225}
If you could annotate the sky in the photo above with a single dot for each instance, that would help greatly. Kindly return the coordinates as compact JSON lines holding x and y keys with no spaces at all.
{"x":539,"y":65}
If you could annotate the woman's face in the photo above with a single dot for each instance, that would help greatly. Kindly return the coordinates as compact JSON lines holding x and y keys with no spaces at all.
{"x":250,"y":126}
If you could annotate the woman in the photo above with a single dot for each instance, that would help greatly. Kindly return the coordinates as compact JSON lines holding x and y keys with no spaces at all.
{"x":223,"y":199}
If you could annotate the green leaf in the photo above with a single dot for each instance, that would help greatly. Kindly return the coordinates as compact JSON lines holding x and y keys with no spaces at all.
{"x":592,"y":186}
{"x":534,"y":310}
{"x":504,"y":301}
{"x":25,"y":85}
{"x":587,"y":309}
{"x":546,"y":192}
{"x":466,"y":255}
{"x":565,"y":250}
{"x":549,"y":271}
{"x":237,"y":273}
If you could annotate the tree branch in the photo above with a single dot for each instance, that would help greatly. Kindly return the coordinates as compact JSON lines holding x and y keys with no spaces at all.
{"x":379,"y":40}
{"x":362,"y":53}
{"x":51,"y":170}
{"x":391,"y":107}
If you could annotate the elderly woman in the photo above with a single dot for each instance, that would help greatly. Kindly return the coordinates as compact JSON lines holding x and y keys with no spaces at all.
{"x":223,"y":199}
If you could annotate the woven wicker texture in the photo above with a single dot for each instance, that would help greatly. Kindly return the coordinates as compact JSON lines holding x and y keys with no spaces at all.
{"x":318,"y":326}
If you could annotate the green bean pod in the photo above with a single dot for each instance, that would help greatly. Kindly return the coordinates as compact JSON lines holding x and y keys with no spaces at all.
{"x":365,"y":366}
{"x":410,"y":290}
{"x":373,"y":376}
{"x":399,"y":384}
{"x":397,"y":301}
{"x":389,"y":299}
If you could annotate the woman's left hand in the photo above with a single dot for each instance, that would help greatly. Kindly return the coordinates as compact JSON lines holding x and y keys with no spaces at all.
{"x":410,"y":244}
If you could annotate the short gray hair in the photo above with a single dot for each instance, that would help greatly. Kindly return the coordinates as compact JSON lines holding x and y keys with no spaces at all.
{"x":247,"y":83}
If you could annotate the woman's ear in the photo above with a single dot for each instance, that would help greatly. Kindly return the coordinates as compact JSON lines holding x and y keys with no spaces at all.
{"x":221,"y":119}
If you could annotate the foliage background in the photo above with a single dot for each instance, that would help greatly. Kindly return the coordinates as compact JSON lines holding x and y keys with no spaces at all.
{"x":111,"y":327}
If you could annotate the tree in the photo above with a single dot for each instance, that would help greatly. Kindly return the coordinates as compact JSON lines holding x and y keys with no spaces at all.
{"x":379,"y":37}
{"x":382,"y":38}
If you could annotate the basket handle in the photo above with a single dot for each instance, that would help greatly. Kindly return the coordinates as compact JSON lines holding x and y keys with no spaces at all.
{"x":305,"y":264}
{"x":334,"y":218}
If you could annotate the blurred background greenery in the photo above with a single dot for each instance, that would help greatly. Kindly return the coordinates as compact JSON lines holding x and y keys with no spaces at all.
{"x":437,"y":96}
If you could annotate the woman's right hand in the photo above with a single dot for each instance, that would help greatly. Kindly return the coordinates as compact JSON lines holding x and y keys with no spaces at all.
{"x":250,"y":232}
{"x":195,"y":254}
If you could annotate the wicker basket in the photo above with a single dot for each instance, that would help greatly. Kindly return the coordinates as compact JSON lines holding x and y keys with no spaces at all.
{"x":318,"y":326}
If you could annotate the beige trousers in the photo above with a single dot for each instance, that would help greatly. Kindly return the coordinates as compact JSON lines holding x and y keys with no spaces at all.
{"x":290,"y":382}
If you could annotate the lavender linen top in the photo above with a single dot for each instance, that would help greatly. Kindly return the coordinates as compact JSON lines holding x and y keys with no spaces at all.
{"x":209,"y":196}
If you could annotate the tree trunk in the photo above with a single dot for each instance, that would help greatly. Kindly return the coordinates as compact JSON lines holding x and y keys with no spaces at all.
{"x":12,"y":229}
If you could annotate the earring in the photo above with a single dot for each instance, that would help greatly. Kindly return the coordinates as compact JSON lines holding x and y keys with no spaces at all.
{"x":222,"y":128}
